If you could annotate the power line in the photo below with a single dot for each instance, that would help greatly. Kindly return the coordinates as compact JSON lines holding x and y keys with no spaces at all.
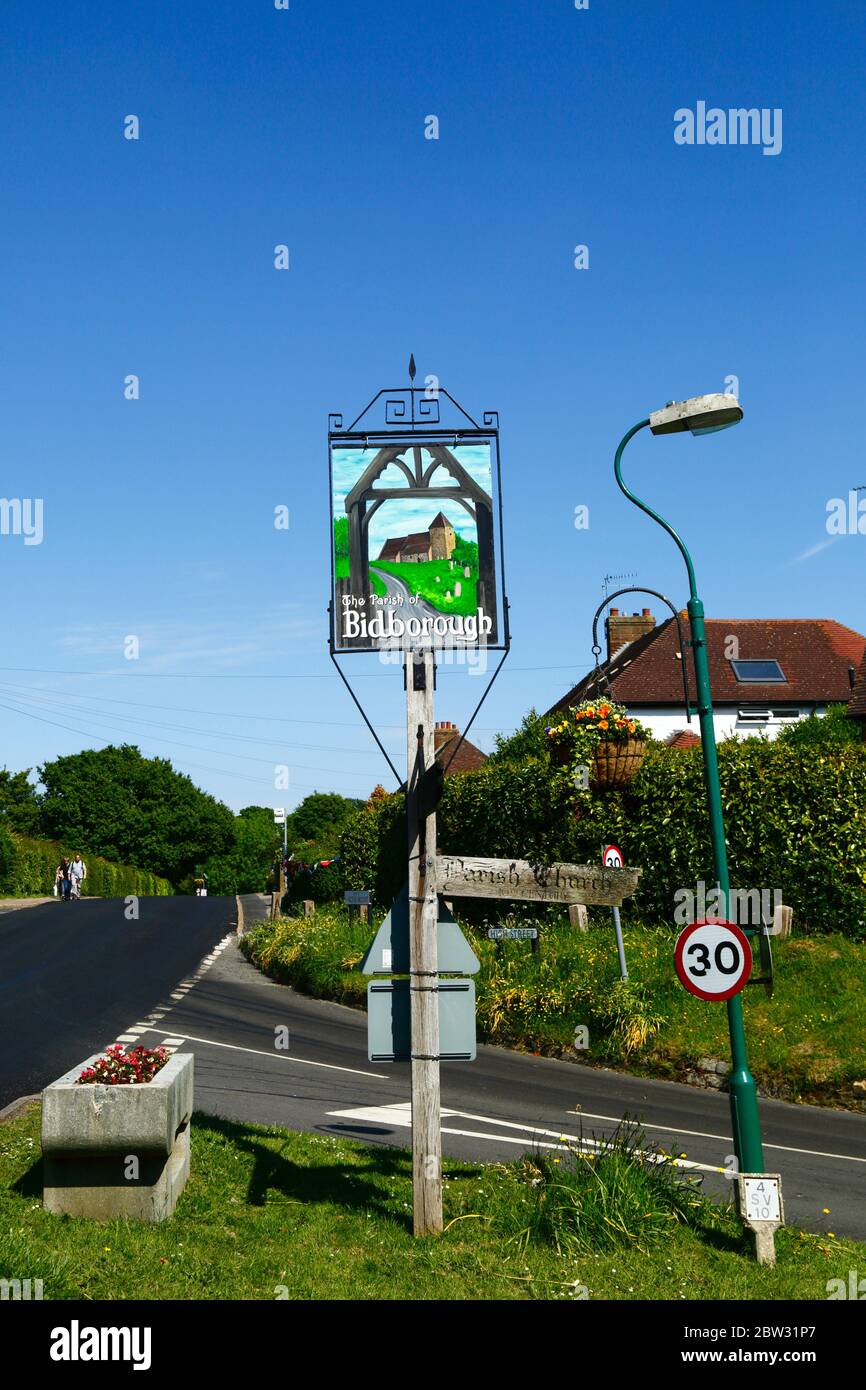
{"x":183,"y":728}
{"x":194,"y":747}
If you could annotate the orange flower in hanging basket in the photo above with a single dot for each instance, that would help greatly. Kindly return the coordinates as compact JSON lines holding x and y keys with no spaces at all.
{"x":615,"y":763}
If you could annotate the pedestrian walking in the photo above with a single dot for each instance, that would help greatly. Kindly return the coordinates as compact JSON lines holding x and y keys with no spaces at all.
{"x":77,"y":875}
{"x":62,"y":879}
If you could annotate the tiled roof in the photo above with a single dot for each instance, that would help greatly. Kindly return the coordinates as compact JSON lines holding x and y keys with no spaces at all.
{"x":468,"y":757}
{"x":814,"y":654}
{"x":857,"y":705}
{"x":682,"y":738}
{"x":440,"y":520}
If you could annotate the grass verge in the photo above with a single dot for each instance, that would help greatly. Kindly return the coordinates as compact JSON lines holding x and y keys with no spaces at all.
{"x":271,"y":1214}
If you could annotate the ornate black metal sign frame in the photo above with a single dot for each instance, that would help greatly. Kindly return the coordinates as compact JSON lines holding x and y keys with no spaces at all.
{"x":414,"y":419}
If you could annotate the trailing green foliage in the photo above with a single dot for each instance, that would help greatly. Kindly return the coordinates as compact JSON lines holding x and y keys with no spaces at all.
{"x":795,"y":818}
{"x":34,"y":865}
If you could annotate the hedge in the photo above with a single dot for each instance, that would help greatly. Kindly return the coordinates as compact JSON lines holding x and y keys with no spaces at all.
{"x":34,"y":865}
{"x":795,"y":819}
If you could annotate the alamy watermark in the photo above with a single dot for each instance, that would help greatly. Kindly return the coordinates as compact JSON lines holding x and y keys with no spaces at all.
{"x":22,"y":516}
{"x":746,"y":907}
{"x":740,"y":125}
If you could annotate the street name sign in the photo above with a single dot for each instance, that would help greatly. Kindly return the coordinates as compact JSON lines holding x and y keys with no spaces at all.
{"x":461,"y":876}
{"x":512,"y":933}
{"x":713,"y":959}
{"x":357,"y":897}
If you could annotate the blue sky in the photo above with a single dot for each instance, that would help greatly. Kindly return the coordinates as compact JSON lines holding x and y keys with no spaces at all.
{"x":402,"y":515}
{"x":306,"y":127}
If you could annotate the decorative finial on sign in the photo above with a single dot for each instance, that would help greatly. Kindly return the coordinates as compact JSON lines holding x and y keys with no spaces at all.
{"x":412,"y":367}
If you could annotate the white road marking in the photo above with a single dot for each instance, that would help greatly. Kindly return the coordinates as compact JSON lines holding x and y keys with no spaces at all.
{"x":400,"y":1116}
{"x":723,"y":1138}
{"x":280,"y":1056}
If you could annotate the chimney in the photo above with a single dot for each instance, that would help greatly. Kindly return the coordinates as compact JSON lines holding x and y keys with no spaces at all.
{"x":623,"y":628}
{"x":443,"y":732}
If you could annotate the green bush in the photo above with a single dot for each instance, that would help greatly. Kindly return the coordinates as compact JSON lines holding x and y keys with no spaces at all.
{"x":7,"y":859}
{"x":795,"y":819}
{"x":35,"y":863}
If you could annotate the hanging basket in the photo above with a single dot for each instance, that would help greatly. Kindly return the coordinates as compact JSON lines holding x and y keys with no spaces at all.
{"x":615,"y":764}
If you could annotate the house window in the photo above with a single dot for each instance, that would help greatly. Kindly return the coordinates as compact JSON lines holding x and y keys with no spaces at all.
{"x":759,"y":672}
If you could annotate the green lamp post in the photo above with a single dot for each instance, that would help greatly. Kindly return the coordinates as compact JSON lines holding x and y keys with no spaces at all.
{"x":705,"y":415}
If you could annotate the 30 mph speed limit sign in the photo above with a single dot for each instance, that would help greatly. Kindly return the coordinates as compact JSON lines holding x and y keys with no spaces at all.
{"x":713,"y":959}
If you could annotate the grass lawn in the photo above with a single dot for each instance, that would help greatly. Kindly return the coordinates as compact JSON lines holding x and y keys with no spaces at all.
{"x":270,"y":1214}
{"x":806,"y":1043}
{"x":421,"y":579}
{"x":341,"y":571}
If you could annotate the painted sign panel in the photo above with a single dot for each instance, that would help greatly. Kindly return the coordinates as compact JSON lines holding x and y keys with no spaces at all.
{"x":462,"y":876}
{"x":414,"y":528}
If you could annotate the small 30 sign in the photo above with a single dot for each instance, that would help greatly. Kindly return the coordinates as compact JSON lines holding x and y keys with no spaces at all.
{"x":612,"y":857}
{"x":713,"y":959}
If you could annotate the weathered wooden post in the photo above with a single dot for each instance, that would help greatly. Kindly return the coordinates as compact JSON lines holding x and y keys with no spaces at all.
{"x":423,"y":963}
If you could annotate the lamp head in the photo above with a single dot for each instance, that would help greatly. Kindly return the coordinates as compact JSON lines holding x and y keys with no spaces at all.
{"x":700,"y":414}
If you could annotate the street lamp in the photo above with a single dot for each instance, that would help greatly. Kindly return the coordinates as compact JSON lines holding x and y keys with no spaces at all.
{"x":705,"y":415}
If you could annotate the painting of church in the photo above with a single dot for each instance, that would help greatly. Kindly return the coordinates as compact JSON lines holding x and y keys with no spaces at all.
{"x":436,"y":543}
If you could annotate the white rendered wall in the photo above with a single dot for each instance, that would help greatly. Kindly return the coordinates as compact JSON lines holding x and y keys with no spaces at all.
{"x":662,"y":722}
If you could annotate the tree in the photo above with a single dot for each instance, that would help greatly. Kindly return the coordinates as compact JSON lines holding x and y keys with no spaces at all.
{"x":133,"y":810}
{"x":19,"y":805}
{"x":320,"y":816}
{"x":244,"y":867}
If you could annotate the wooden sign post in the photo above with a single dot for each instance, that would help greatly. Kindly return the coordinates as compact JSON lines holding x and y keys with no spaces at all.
{"x":423,"y":952}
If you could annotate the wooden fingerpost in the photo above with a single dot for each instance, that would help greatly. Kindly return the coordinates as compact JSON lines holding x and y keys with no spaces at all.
{"x":423,"y":963}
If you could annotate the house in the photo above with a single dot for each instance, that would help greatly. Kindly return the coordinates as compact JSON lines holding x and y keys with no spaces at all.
{"x":468,"y":758}
{"x":857,"y":703}
{"x":764,"y":672}
{"x":436,"y":543}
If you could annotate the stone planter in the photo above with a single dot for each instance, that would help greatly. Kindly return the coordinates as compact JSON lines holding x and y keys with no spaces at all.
{"x":113,"y":1151}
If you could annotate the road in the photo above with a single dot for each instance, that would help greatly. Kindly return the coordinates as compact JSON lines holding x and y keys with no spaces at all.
{"x":494,"y":1109}
{"x":398,"y":589}
{"x":72,"y":975}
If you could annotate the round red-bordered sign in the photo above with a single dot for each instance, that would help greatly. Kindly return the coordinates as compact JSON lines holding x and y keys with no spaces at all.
{"x":611,"y":857}
{"x":713,"y":959}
